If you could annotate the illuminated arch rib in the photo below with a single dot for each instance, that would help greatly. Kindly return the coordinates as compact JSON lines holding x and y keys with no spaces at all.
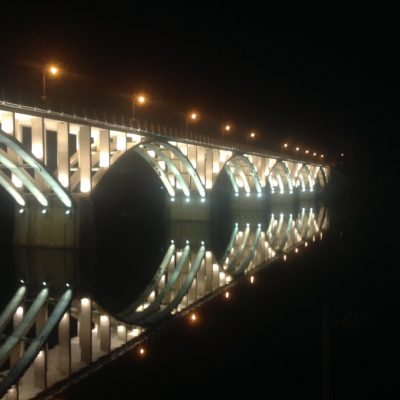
{"x":152,"y":285}
{"x":320,"y":176}
{"x":188,"y":166}
{"x":278,"y":232}
{"x":305,"y":177}
{"x":139,"y":313}
{"x":158,"y":170}
{"x":19,"y":171}
{"x":241,"y":173}
{"x":280,"y":176}
{"x":155,"y":152}
{"x":183,"y":290}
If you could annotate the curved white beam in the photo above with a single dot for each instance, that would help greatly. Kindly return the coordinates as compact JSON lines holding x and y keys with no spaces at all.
{"x":236,"y":160}
{"x":189,"y":167}
{"x":286,"y":173}
{"x":39,"y":167}
{"x":158,"y":170}
{"x":171,"y":166}
{"x":253,"y":173}
{"x":231,"y":178}
{"x":9,"y":187}
{"x":25,"y":178}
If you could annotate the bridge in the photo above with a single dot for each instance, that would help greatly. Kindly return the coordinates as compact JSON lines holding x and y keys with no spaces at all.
{"x":88,"y":336}
{"x":51,"y":163}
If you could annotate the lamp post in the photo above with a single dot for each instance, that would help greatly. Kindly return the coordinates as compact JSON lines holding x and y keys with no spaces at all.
{"x":53,"y":71}
{"x":139,"y":99}
{"x":226,"y":128}
{"x":250,"y":136}
{"x":192,"y":117}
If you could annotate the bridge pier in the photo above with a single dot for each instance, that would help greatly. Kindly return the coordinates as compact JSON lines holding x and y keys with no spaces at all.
{"x":55,"y":226}
{"x":194,"y":209}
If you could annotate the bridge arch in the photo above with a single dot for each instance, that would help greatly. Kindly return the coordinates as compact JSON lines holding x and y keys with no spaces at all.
{"x":320,"y":177}
{"x":304,"y":177}
{"x":173,"y":168}
{"x":16,"y":160}
{"x":242,"y":174}
{"x":280,"y":177}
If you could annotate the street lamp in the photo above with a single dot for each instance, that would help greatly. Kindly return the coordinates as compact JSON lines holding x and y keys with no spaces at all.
{"x":192,"y":117}
{"x":225,"y":129}
{"x":250,"y":136}
{"x":53,"y":71}
{"x":140,"y":100}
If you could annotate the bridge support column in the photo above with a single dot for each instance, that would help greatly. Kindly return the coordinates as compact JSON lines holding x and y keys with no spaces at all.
{"x":56,"y":226}
{"x":64,"y":341}
{"x":40,"y":363}
{"x":188,"y":209}
{"x":281,"y":198}
{"x":252,"y":209}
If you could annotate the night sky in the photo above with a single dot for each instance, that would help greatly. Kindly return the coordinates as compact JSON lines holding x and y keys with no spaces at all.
{"x":320,"y":83}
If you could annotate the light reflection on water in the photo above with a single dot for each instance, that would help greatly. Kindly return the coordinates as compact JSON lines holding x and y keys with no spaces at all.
{"x":192,"y":270}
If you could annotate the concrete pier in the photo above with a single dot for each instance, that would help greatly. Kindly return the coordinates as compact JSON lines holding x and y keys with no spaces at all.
{"x":55,"y":226}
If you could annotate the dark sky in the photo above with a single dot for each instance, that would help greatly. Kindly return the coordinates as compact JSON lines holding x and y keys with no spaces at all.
{"x":323,"y":83}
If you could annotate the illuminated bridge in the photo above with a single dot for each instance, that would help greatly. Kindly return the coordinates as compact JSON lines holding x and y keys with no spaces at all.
{"x":52,"y":162}
{"x":51,"y":329}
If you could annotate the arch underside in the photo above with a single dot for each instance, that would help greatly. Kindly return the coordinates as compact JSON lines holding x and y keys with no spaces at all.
{"x":305,"y":179}
{"x":280,"y":178}
{"x":242,"y":175}
{"x":177,"y":282}
{"x":23,"y":173}
{"x":172,"y":167}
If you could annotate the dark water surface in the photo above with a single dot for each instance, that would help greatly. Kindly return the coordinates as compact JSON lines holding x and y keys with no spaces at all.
{"x":324,"y":324}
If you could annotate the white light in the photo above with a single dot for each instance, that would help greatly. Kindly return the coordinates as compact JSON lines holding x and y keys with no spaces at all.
{"x":227,"y":295}
{"x":135,"y":332}
{"x":215,"y":267}
{"x":247,"y":224}
{"x":172,"y":242}
{"x":296,"y":250}
{"x":187,"y":199}
{"x":202,"y":243}
{"x":247,"y":194}
{"x":44,"y":211}
{"x":259,"y":194}
{"x":21,"y":210}
{"x":44,"y":283}
{"x":85,"y":301}
{"x":7,"y":125}
{"x":104,"y":318}
{"x":67,"y":285}
{"x":252,"y":279}
{"x":236,"y":194}
{"x":22,"y":281}
{"x":259,"y":225}
{"x":284,"y":257}
{"x":172,"y":199}
{"x":20,"y":311}
{"x":120,"y":328}
{"x":67,"y":212}
{"x":203,"y":200}
{"x":187,"y":241}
